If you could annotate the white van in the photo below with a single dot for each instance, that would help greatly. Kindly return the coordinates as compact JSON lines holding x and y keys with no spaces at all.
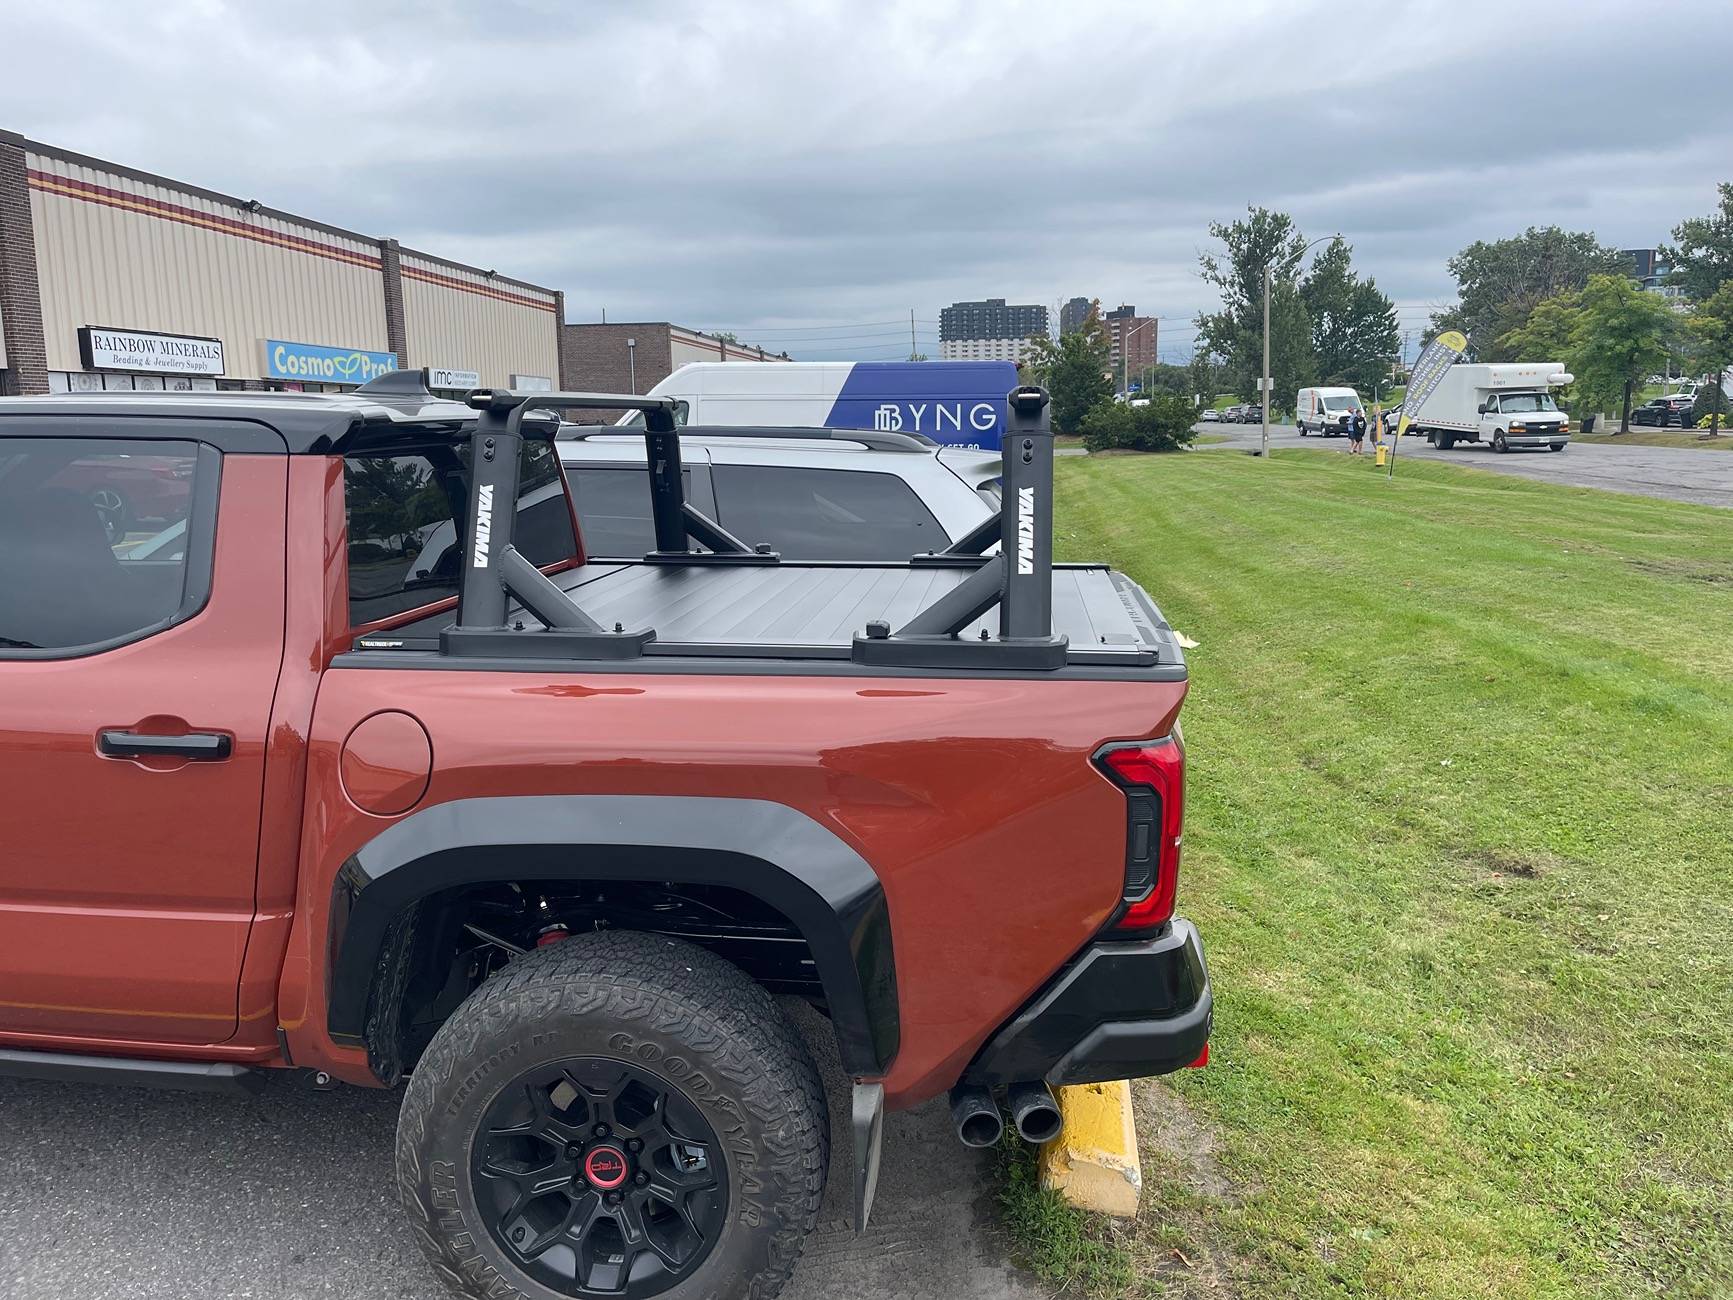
{"x":1325,"y":411}
{"x":1508,"y":405}
{"x":955,"y":403}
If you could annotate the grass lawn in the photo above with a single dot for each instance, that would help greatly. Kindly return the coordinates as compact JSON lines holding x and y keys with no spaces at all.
{"x":1460,"y":845}
{"x":1645,"y":437}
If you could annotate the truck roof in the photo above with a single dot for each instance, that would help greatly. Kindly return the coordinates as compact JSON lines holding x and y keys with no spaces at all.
{"x":310,"y":423}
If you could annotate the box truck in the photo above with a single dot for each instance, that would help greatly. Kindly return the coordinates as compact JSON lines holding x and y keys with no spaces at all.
{"x":1508,"y":405}
{"x":955,"y":403}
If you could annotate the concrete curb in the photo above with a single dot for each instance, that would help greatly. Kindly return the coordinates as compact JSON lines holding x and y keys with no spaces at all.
{"x":1093,"y":1163}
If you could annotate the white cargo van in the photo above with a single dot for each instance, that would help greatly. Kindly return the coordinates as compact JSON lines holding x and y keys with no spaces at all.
{"x":955,"y":403}
{"x":1508,"y":405}
{"x":1325,"y":411}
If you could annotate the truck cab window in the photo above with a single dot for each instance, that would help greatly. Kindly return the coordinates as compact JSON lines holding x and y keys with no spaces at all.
{"x":93,"y":539}
{"x":404,"y":510}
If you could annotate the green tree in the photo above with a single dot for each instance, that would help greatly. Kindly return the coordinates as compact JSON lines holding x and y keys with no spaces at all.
{"x":1163,"y":423}
{"x":1354,"y":333}
{"x":1710,"y":330}
{"x":1073,"y":370}
{"x":1702,"y":256}
{"x":1236,"y":332}
{"x":1499,"y":283}
{"x":1205,"y":375}
{"x":1546,"y":334}
{"x":1621,"y":335}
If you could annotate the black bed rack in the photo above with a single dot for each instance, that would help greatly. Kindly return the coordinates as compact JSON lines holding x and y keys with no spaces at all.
{"x":1018,"y":578}
{"x":871,"y":439}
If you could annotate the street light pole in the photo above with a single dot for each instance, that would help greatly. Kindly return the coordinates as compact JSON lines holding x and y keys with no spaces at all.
{"x":1264,"y":383}
{"x":632,"y":363}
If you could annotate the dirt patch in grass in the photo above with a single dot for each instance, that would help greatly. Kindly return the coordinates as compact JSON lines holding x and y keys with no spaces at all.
{"x":1174,"y":1245}
{"x":1690,"y":571}
{"x":1499,"y":863}
{"x":1172,"y":1250}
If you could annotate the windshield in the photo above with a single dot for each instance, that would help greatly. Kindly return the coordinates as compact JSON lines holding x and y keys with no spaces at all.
{"x":1333,"y":402}
{"x":1520,"y":402}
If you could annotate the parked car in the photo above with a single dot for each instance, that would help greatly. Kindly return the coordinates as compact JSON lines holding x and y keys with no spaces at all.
{"x":808,"y":494}
{"x":542,"y":834}
{"x":1674,"y":408}
{"x":1211,"y":416}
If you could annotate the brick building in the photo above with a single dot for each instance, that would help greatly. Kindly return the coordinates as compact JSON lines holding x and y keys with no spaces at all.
{"x":1131,"y":342}
{"x":113,"y":278}
{"x":635,"y":356}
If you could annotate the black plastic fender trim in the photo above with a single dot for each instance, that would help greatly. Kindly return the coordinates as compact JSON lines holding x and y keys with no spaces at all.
{"x":766,"y":849}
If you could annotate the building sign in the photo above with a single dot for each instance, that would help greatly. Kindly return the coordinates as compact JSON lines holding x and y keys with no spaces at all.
{"x":532,"y":383}
{"x":147,"y":352}
{"x":441,"y":377}
{"x":316,"y":363}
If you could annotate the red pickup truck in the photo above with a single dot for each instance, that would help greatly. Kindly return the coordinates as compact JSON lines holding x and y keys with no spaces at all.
{"x":547,"y":837}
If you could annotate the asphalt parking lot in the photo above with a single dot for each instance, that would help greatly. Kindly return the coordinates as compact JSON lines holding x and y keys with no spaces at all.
{"x":1673,"y":473}
{"x":129,"y":1194}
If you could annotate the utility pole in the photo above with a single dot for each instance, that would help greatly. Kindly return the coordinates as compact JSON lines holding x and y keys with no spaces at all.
{"x":913,"y":350}
{"x":1264,"y":396}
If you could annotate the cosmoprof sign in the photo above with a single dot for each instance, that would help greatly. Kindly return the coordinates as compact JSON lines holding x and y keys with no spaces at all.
{"x":148,"y":352}
{"x":316,"y":363}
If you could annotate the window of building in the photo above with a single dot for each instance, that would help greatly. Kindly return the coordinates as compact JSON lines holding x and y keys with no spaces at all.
{"x":837,"y":514}
{"x":102,"y":540}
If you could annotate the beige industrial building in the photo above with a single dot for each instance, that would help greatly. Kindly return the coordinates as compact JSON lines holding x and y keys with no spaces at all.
{"x":114,"y":278}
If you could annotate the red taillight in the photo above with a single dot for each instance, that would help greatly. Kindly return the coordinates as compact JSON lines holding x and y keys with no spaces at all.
{"x":1153,"y":778}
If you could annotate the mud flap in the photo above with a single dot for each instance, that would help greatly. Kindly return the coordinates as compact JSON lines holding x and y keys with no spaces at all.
{"x":869,"y":1131}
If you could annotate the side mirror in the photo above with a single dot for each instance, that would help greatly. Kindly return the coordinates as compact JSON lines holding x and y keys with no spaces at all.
{"x":1481,"y":408}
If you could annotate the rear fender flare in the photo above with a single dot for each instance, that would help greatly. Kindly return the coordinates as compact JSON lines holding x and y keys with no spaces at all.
{"x":767,"y":849}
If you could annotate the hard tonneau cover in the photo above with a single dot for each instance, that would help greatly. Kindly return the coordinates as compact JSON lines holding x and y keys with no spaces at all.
{"x":815,"y":610}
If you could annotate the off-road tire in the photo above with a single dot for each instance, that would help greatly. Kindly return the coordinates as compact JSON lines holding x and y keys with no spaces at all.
{"x":661,"y":1005}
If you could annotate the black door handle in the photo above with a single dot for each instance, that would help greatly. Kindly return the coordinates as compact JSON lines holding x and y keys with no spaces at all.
{"x":197,"y":746}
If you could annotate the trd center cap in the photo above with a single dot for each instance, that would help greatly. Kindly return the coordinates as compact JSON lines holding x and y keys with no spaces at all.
{"x":605,"y":1167}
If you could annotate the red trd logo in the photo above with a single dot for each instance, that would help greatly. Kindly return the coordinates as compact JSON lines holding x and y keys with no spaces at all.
{"x":605,"y":1167}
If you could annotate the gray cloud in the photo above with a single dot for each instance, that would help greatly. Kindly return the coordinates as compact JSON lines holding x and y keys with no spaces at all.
{"x":794,"y":171}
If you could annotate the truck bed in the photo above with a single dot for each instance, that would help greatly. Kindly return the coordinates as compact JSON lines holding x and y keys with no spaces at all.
{"x":814,"y":610}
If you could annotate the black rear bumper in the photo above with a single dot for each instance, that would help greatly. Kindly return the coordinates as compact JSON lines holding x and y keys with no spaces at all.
{"x":1121,"y":1010}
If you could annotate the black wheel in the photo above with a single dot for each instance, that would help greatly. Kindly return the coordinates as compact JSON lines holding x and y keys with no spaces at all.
{"x":1498,"y":443}
{"x":1302,"y":430}
{"x":616,"y":1115}
{"x":113,"y":510}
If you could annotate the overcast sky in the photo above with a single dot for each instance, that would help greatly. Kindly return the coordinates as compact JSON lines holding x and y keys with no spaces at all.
{"x":805,"y":174}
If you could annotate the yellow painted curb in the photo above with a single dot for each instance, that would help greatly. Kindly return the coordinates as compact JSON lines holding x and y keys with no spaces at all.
{"x":1093,"y":1162}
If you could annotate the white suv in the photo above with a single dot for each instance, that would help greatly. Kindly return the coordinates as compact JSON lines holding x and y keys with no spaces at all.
{"x":807,"y":494}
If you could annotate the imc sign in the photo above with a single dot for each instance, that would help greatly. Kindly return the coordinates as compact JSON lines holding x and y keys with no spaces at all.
{"x":147,"y":352}
{"x":317,"y":364}
{"x":445,"y":377}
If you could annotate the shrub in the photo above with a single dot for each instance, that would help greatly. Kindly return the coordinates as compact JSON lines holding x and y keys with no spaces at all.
{"x":1163,"y":424}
